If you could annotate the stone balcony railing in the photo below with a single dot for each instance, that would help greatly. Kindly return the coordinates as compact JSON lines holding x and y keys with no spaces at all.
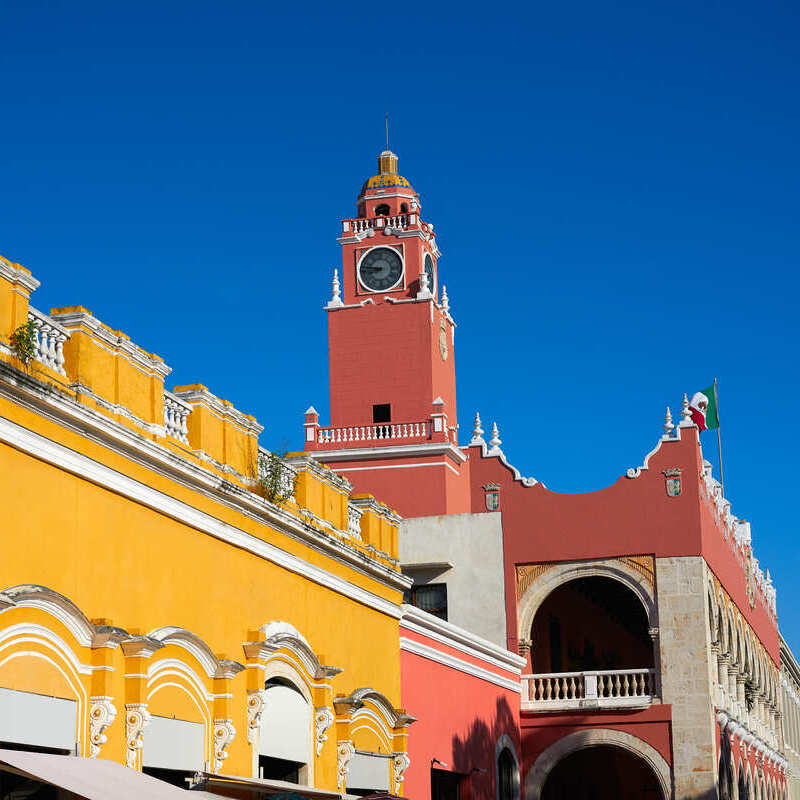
{"x":176,"y":413}
{"x":49,"y":338}
{"x":590,"y":689}
{"x":368,"y":226}
{"x":371,"y":435}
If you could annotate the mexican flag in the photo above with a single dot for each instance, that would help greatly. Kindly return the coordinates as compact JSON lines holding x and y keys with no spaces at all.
{"x":703,"y":407}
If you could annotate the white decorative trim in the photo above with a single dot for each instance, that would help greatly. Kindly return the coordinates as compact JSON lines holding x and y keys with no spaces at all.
{"x":323,"y":719}
{"x":102,"y":713}
{"x":675,"y":436}
{"x":103,"y":335}
{"x":399,"y":466}
{"x":72,"y":461}
{"x":224,"y":733}
{"x":401,"y":762}
{"x":501,"y":457}
{"x":199,"y":395}
{"x":116,"y":408}
{"x":412,"y":646}
{"x":419,"y":621}
{"x":189,"y":642}
{"x":137,"y":717}
{"x":391,"y":717}
{"x":255,"y":708}
{"x":15,"y":273}
{"x":283,"y":635}
{"x":344,"y":753}
{"x":398,"y":451}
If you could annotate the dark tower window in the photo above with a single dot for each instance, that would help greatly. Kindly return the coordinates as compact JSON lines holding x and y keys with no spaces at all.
{"x":382,"y":412}
{"x":382,"y":210}
{"x":404,"y":208}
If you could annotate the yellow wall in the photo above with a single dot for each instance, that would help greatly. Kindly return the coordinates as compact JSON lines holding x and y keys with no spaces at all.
{"x":124,"y":564}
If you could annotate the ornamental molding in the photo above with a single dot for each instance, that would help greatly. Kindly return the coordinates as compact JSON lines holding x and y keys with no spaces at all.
{"x":168,"y":464}
{"x":115,"y":408}
{"x":528,"y":573}
{"x":495,"y":452}
{"x":432,"y":654}
{"x":102,"y":713}
{"x":197,"y":394}
{"x":397,"y":451}
{"x":193,"y":644}
{"x":137,"y":717}
{"x":16,"y":273}
{"x":323,"y":719}
{"x":420,"y":622}
{"x":224,"y":734}
{"x":255,"y":707}
{"x":105,"y":337}
{"x":401,"y":763}
{"x":394,"y":717}
{"x":344,"y":753}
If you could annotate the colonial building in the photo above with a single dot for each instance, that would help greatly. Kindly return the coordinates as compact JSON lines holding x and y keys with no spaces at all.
{"x":649,"y":633}
{"x":173,"y":597}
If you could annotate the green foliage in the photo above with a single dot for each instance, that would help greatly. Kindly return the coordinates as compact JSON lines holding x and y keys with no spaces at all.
{"x":276,"y":481}
{"x":23,"y":342}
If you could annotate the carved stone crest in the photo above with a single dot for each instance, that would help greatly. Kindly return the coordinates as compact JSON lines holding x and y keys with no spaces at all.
{"x":136,"y":719}
{"x":224,"y":733}
{"x":323,"y":719}
{"x":672,"y":477}
{"x":345,"y":751}
{"x":255,"y":707}
{"x":401,"y":763}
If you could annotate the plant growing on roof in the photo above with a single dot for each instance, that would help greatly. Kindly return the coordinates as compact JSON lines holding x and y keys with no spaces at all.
{"x":23,"y":342}
{"x":276,"y":480}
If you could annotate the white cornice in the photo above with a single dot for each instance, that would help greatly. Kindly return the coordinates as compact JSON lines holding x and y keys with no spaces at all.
{"x":200,"y":395}
{"x":414,"y":619}
{"x":14,"y":273}
{"x":397,"y":451}
{"x":432,"y":654}
{"x":102,"y":333}
{"x":97,"y":428}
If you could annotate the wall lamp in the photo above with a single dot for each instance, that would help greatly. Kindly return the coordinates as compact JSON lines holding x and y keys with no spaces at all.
{"x":440,"y":763}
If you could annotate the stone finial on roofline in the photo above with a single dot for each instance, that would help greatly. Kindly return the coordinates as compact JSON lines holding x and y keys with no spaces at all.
{"x":336,"y":294}
{"x":477,"y":432}
{"x":445,"y":300}
{"x":495,"y":442}
{"x":668,"y":426}
{"x":686,"y":415}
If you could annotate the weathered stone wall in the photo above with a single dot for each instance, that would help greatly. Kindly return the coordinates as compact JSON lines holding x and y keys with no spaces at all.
{"x":684,"y":638}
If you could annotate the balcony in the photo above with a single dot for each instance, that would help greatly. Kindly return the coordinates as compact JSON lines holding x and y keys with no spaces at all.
{"x":372,"y":435}
{"x":590,"y":689}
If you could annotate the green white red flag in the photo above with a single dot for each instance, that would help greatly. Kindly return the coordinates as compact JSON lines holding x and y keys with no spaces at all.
{"x":703,"y":408}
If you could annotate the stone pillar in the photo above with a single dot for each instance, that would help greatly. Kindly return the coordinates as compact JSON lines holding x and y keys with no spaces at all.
{"x":654,"y":638}
{"x":687,"y":673}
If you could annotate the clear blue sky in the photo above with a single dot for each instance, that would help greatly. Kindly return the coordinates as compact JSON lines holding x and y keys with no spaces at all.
{"x":614,"y":186}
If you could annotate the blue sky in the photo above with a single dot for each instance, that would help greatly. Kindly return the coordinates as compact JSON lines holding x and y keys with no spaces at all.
{"x":614,"y":188}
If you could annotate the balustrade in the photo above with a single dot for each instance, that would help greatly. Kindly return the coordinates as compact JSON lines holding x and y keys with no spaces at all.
{"x":364,"y":225}
{"x":49,"y":338}
{"x":176,"y":413}
{"x":354,"y":521}
{"x":591,"y":688}
{"x":374,"y":433}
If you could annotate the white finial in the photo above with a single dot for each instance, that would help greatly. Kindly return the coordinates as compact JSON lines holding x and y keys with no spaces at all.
{"x":336,"y":295}
{"x":495,"y":442}
{"x":686,"y":415}
{"x":477,"y":432}
{"x":445,"y":300}
{"x":668,"y":426}
{"x":424,"y":292}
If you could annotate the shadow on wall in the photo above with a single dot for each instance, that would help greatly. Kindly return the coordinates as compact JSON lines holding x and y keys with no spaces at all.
{"x":474,"y":753}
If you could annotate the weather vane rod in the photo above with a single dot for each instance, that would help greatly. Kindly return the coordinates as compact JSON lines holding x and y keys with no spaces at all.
{"x":387,"y":130}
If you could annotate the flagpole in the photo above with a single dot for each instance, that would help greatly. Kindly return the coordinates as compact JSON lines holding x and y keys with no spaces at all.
{"x":719,"y":439}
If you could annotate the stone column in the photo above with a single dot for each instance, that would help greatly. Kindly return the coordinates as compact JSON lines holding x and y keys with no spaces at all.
{"x":654,"y":638}
{"x":687,"y":673}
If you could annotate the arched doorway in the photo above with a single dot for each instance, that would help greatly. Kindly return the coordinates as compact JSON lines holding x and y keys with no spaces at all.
{"x":599,"y":763}
{"x":602,"y":773}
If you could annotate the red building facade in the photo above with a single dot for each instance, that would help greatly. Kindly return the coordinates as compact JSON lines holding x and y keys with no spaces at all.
{"x":648,"y":631}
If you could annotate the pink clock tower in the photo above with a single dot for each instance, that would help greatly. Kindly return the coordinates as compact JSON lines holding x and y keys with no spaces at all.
{"x":392,"y":361}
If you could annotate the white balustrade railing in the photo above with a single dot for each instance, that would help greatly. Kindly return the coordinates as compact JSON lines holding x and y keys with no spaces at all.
{"x":287,"y":474}
{"x":374,"y":433}
{"x":176,"y":413}
{"x":354,"y":521}
{"x":613,"y":688}
{"x":49,"y":338}
{"x":363,"y":225}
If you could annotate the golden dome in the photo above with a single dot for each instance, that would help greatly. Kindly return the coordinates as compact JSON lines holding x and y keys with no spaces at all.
{"x":387,"y":174}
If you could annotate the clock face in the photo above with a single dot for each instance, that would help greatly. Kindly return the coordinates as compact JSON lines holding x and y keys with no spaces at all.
{"x":380,"y":269}
{"x":428,"y":267}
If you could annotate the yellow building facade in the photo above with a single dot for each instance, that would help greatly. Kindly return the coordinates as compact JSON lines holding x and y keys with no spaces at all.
{"x":175,"y":593}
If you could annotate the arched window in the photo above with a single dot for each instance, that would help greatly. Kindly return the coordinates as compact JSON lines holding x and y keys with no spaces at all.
{"x":285,"y":740}
{"x":404,"y":208}
{"x":506,"y":775}
{"x":382,"y":210}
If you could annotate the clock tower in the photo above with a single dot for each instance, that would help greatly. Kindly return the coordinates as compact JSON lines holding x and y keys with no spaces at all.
{"x":393,"y":427}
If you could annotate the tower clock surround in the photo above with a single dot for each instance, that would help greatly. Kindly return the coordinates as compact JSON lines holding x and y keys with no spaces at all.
{"x":380,"y":269}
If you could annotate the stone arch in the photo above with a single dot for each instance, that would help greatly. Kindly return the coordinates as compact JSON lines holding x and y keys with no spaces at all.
{"x":595,"y":737}
{"x":505,"y":742}
{"x":559,"y":574}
